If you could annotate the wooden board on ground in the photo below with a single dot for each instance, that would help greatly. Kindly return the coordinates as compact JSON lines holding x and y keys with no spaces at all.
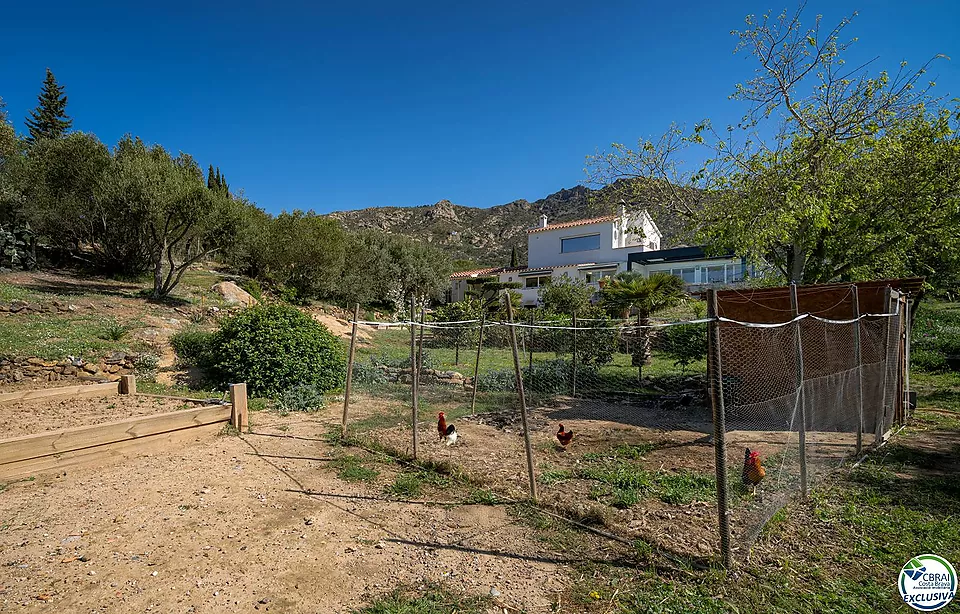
{"x":101,"y":390}
{"x":70,"y":440}
{"x":105,"y":454}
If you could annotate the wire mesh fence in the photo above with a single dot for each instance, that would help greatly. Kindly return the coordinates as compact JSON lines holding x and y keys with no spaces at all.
{"x":642,"y":460}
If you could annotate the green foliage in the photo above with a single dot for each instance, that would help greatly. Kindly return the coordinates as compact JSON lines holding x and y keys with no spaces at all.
{"x":194,"y":347}
{"x":274,"y":347}
{"x":936,"y":336}
{"x":115,"y":331}
{"x":49,"y":120}
{"x":685,"y":344}
{"x":351,"y":469}
{"x":252,"y":287}
{"x":302,"y":397}
{"x":306,"y":253}
{"x":458,"y":336}
{"x":566,"y":296}
{"x":146,"y":367}
{"x":367,"y":374}
{"x":430,"y":600}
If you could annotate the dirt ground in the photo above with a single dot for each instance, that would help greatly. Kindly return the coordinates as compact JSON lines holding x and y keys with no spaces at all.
{"x":224,"y":525}
{"x":30,"y":417}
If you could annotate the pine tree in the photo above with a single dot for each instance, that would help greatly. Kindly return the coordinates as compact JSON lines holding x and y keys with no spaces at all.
{"x":514,"y":257}
{"x":211,"y":180}
{"x":49,"y":120}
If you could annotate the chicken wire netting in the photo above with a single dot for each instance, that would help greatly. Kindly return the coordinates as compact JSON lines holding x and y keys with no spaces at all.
{"x":642,"y":461}
{"x":640,"y":464}
{"x":807,"y":397}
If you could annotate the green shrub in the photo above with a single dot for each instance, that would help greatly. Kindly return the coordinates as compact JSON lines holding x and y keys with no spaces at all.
{"x":146,"y":366}
{"x":252,"y":287}
{"x":685,"y":344}
{"x":275,"y":347}
{"x":114,"y":332}
{"x":194,"y":347}
{"x":497,"y":380}
{"x":935,"y":336}
{"x":302,"y":397}
{"x":367,"y":374}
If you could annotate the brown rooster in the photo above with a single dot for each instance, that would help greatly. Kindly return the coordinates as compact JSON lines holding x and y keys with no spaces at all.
{"x":447,"y":432}
{"x":753,"y":471}
{"x":564,"y":437}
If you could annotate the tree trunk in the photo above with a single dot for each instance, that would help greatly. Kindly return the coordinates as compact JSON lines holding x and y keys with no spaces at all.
{"x":158,"y":272}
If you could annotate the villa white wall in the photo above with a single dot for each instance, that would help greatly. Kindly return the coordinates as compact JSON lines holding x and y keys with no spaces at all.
{"x":544,"y":247}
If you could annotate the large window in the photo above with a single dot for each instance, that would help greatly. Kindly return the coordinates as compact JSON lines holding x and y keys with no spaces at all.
{"x":580,"y":244}
{"x":715,"y":274}
{"x":536,"y":282}
{"x":595,"y":276}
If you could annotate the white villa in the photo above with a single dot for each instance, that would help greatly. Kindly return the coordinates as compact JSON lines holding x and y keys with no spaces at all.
{"x":595,"y":248}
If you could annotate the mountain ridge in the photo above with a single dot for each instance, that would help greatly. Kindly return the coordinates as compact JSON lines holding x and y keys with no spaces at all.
{"x":485,"y":236}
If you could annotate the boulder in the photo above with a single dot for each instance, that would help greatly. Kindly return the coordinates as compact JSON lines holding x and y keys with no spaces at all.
{"x":233,"y":294}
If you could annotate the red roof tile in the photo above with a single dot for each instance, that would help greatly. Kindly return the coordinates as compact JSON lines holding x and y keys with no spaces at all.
{"x":474,"y":273}
{"x":593,"y":220}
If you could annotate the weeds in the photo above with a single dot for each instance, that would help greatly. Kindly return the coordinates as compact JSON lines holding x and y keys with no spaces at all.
{"x":115,"y":332}
{"x":351,"y":469}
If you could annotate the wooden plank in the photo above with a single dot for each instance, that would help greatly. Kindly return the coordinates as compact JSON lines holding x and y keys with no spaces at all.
{"x":58,"y":442}
{"x":107,"y":453}
{"x":170,"y":398}
{"x":103,"y":390}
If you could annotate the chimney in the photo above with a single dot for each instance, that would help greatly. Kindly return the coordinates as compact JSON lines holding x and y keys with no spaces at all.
{"x":543,"y":221}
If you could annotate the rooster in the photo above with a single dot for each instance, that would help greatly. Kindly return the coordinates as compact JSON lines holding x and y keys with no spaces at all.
{"x":564,"y":437}
{"x":753,"y":471}
{"x":447,"y":432}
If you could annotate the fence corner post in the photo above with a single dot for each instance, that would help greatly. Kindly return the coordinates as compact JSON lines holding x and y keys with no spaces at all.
{"x":128,"y":384}
{"x":414,"y":378}
{"x":715,"y":380}
{"x":801,"y":397}
{"x":238,"y":402}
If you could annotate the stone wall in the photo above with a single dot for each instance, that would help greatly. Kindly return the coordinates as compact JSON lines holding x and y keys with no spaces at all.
{"x":38,"y":370}
{"x":428,"y":377}
{"x":24,"y":307}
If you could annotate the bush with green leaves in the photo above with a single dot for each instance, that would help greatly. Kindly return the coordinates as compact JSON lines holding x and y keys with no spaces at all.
{"x":935,"y":336}
{"x":194,"y":348}
{"x":302,"y":397}
{"x":252,"y":287}
{"x":275,"y":347}
{"x":146,"y":367}
{"x":367,"y":374}
{"x":497,"y":380}
{"x":685,"y":344}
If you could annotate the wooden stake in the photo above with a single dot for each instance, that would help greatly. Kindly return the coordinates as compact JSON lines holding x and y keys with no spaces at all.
{"x":414,"y":377}
{"x":858,"y":356}
{"x":801,"y":399}
{"x":476,"y":366}
{"x":523,"y":398}
{"x":128,"y":384}
{"x":715,"y":378}
{"x":881,"y":431}
{"x":530,"y":339}
{"x":349,"y":382}
{"x":238,"y":399}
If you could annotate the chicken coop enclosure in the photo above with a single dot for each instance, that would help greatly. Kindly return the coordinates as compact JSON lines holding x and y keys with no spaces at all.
{"x":662,"y":415}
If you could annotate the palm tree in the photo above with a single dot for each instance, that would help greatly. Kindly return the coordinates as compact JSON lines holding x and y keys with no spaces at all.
{"x":631,"y":291}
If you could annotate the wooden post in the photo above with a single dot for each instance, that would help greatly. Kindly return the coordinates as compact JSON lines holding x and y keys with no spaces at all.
{"x":523,"y":398}
{"x":573,"y":391}
{"x":907,"y":309}
{"x":348,"y":385}
{"x":238,"y":399}
{"x":414,"y":378}
{"x":887,"y":294}
{"x":858,"y":356}
{"x":715,"y":378}
{"x":530,"y":338}
{"x":476,"y":366}
{"x":423,"y":314}
{"x":128,"y":384}
{"x":801,"y":397}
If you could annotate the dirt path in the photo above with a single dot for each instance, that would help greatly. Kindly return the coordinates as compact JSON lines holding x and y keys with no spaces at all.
{"x":225,"y":526}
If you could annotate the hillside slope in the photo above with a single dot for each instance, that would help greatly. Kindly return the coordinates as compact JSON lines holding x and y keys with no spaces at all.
{"x":485,"y":236}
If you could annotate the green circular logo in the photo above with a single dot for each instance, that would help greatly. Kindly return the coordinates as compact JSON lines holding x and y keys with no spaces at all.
{"x":927,"y":582}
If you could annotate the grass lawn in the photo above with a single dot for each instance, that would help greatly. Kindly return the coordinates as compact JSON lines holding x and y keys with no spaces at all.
{"x":55,"y":336}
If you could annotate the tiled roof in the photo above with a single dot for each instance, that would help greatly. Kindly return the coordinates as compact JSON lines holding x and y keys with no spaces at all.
{"x":475,"y":273}
{"x":593,"y":220}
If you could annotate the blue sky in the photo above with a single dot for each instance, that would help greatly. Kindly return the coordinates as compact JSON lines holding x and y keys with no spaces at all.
{"x":319,"y":106}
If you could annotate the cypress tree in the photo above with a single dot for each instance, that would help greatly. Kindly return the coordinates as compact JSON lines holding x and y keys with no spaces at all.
{"x":514,"y":257}
{"x":49,"y":120}
{"x":211,"y":180}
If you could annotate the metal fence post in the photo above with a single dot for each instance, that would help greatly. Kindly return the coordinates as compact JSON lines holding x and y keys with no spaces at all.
{"x":414,"y":377}
{"x":347,"y":386}
{"x":523,"y":398}
{"x":858,"y":356}
{"x":887,"y":295}
{"x":476,"y":366}
{"x":714,"y":377}
{"x":801,"y":397}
